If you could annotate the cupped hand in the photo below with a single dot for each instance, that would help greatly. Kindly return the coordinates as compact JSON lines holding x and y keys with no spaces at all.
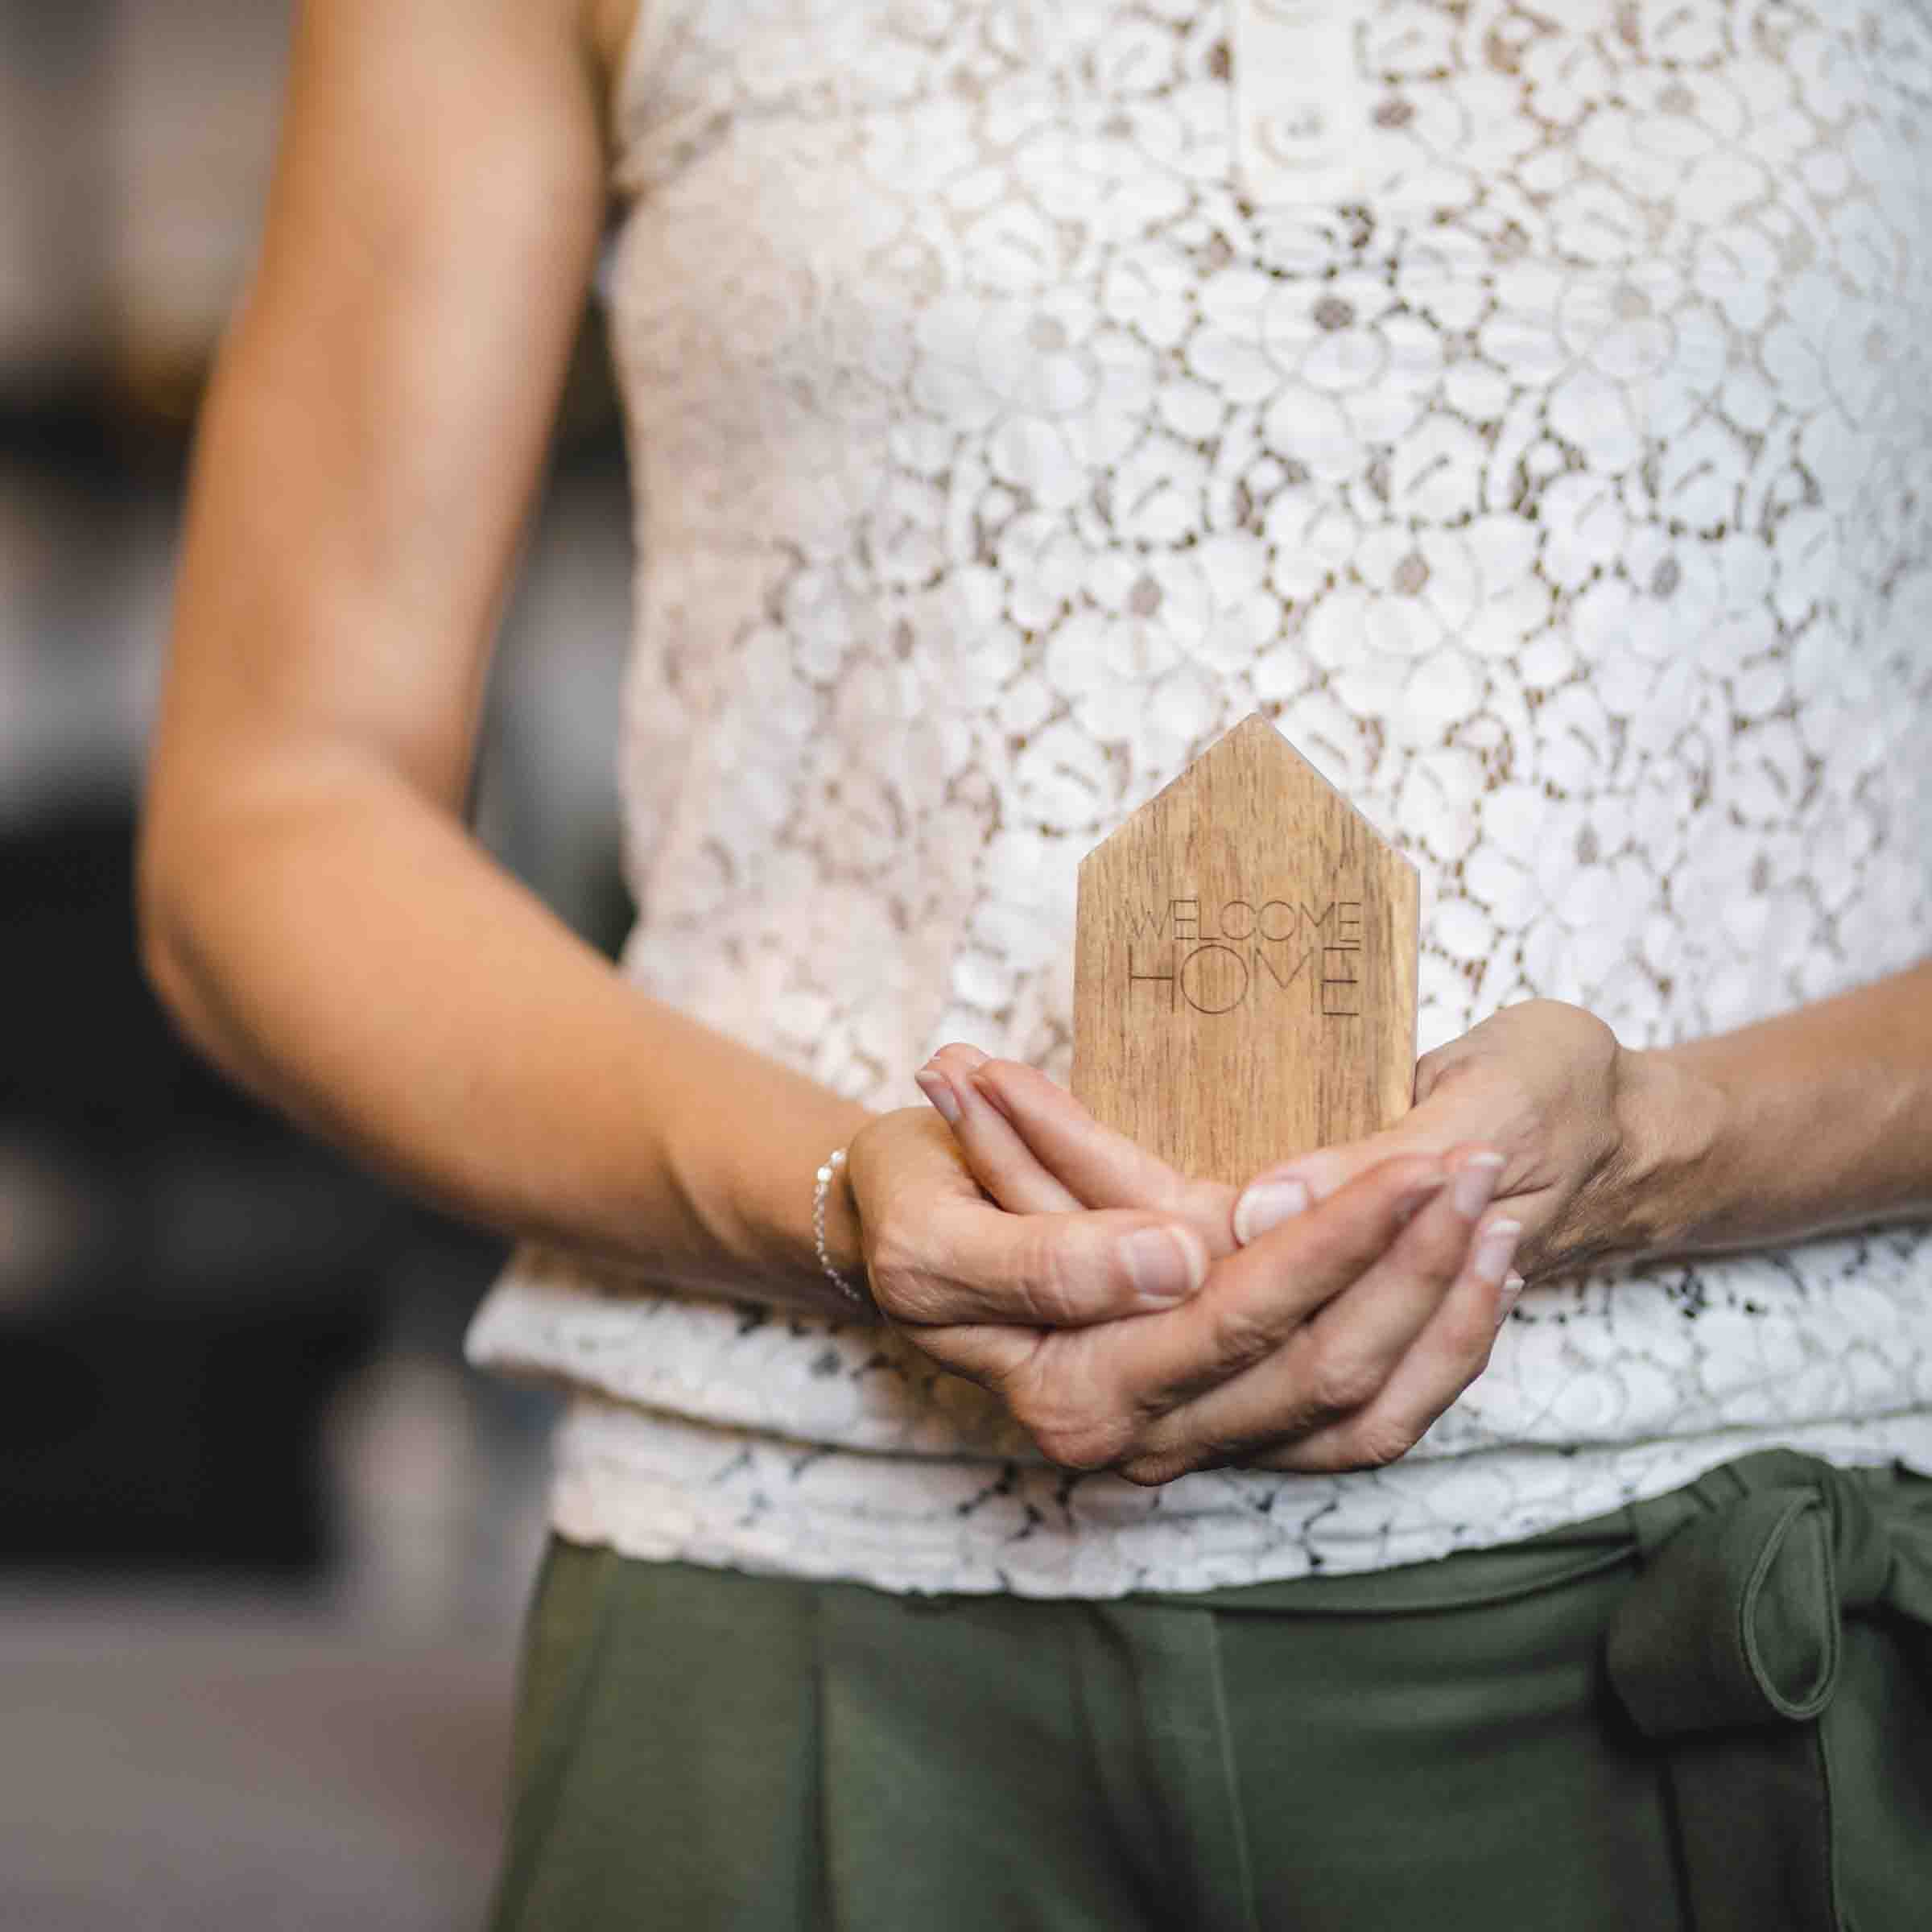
{"x":1034,"y":1149}
{"x":940,"y":1255}
{"x":1331,"y":1341}
{"x":1546,"y":1083}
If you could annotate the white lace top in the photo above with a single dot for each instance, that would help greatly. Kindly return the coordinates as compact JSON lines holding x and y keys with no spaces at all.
{"x":1530,"y":409}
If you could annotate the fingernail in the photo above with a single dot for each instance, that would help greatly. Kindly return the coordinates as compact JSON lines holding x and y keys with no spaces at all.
{"x":1493,"y":1248}
{"x":939,"y":1090}
{"x":1474,"y":1182}
{"x":1267,"y":1204}
{"x":1164,"y":1265}
{"x":1505,"y":1300}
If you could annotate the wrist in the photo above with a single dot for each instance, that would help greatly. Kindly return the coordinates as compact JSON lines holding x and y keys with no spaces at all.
{"x":837,"y":1234}
{"x":751,"y":1173}
{"x":843,"y":1235}
{"x":1672,"y":1120}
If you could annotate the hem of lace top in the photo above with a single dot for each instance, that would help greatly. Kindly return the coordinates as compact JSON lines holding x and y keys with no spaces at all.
{"x":644,"y":1483}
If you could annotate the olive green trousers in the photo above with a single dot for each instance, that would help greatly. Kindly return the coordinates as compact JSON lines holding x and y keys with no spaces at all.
{"x":1711,"y":1710}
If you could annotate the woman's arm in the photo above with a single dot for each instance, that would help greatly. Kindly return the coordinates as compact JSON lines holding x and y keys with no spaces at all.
{"x":1815,"y":1120}
{"x":311,"y":908}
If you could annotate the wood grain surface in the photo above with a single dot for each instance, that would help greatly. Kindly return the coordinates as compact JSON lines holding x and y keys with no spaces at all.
{"x":1244,"y":978}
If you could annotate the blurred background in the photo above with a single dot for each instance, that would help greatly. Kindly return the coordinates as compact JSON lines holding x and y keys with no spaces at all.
{"x":266,"y":1540}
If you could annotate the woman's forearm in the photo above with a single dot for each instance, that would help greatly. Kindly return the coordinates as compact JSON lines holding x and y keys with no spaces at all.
{"x":312,"y":910}
{"x":1817,"y":1119}
{"x":341,"y":946}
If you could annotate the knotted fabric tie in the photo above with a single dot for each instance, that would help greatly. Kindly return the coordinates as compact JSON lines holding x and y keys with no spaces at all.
{"x":1729,"y":1647}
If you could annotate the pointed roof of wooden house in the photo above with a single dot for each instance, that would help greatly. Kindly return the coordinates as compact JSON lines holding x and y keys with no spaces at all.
{"x":1256,"y":741}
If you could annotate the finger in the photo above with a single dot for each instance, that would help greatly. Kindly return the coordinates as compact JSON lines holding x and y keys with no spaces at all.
{"x":1450,"y":1353}
{"x":1001,"y":1161}
{"x":1435,"y":1126}
{"x":1257,"y":1296}
{"x":1360,"y":1337}
{"x":1100,"y":1167}
{"x":1339,"y":1361}
{"x":1104,"y":1167}
{"x":968,"y":1261}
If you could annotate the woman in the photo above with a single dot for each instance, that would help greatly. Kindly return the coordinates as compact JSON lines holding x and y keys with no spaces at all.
{"x":1528,"y":415}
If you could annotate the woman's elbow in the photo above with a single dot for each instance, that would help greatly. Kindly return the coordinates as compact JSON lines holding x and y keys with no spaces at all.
{"x":163,"y":916}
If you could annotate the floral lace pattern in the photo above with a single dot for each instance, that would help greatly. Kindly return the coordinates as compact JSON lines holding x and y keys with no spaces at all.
{"x":1007,"y":426}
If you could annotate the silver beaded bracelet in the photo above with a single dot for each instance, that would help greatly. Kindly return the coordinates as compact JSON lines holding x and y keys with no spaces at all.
{"x":834,"y":1162}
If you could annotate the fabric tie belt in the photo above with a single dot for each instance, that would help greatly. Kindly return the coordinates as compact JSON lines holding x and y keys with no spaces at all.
{"x":1729,"y":1647}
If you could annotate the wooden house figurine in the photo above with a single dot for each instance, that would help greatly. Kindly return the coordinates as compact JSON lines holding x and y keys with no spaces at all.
{"x":1244,"y":975}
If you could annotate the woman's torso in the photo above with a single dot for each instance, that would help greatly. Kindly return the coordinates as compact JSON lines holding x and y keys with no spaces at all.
{"x":1532,"y":419}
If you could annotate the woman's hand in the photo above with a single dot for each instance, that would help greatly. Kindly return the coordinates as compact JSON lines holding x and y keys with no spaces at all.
{"x":1545,"y":1083}
{"x":1331,"y":1341}
{"x":940,"y":1256}
{"x":1034,"y":1148}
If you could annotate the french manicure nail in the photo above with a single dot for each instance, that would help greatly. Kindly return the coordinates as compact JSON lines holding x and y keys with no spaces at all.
{"x":1474,"y":1182}
{"x":939,"y":1090}
{"x":1267,"y":1204}
{"x":1494,"y":1246}
{"x":1163,"y":1265}
{"x":1505,"y":1299}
